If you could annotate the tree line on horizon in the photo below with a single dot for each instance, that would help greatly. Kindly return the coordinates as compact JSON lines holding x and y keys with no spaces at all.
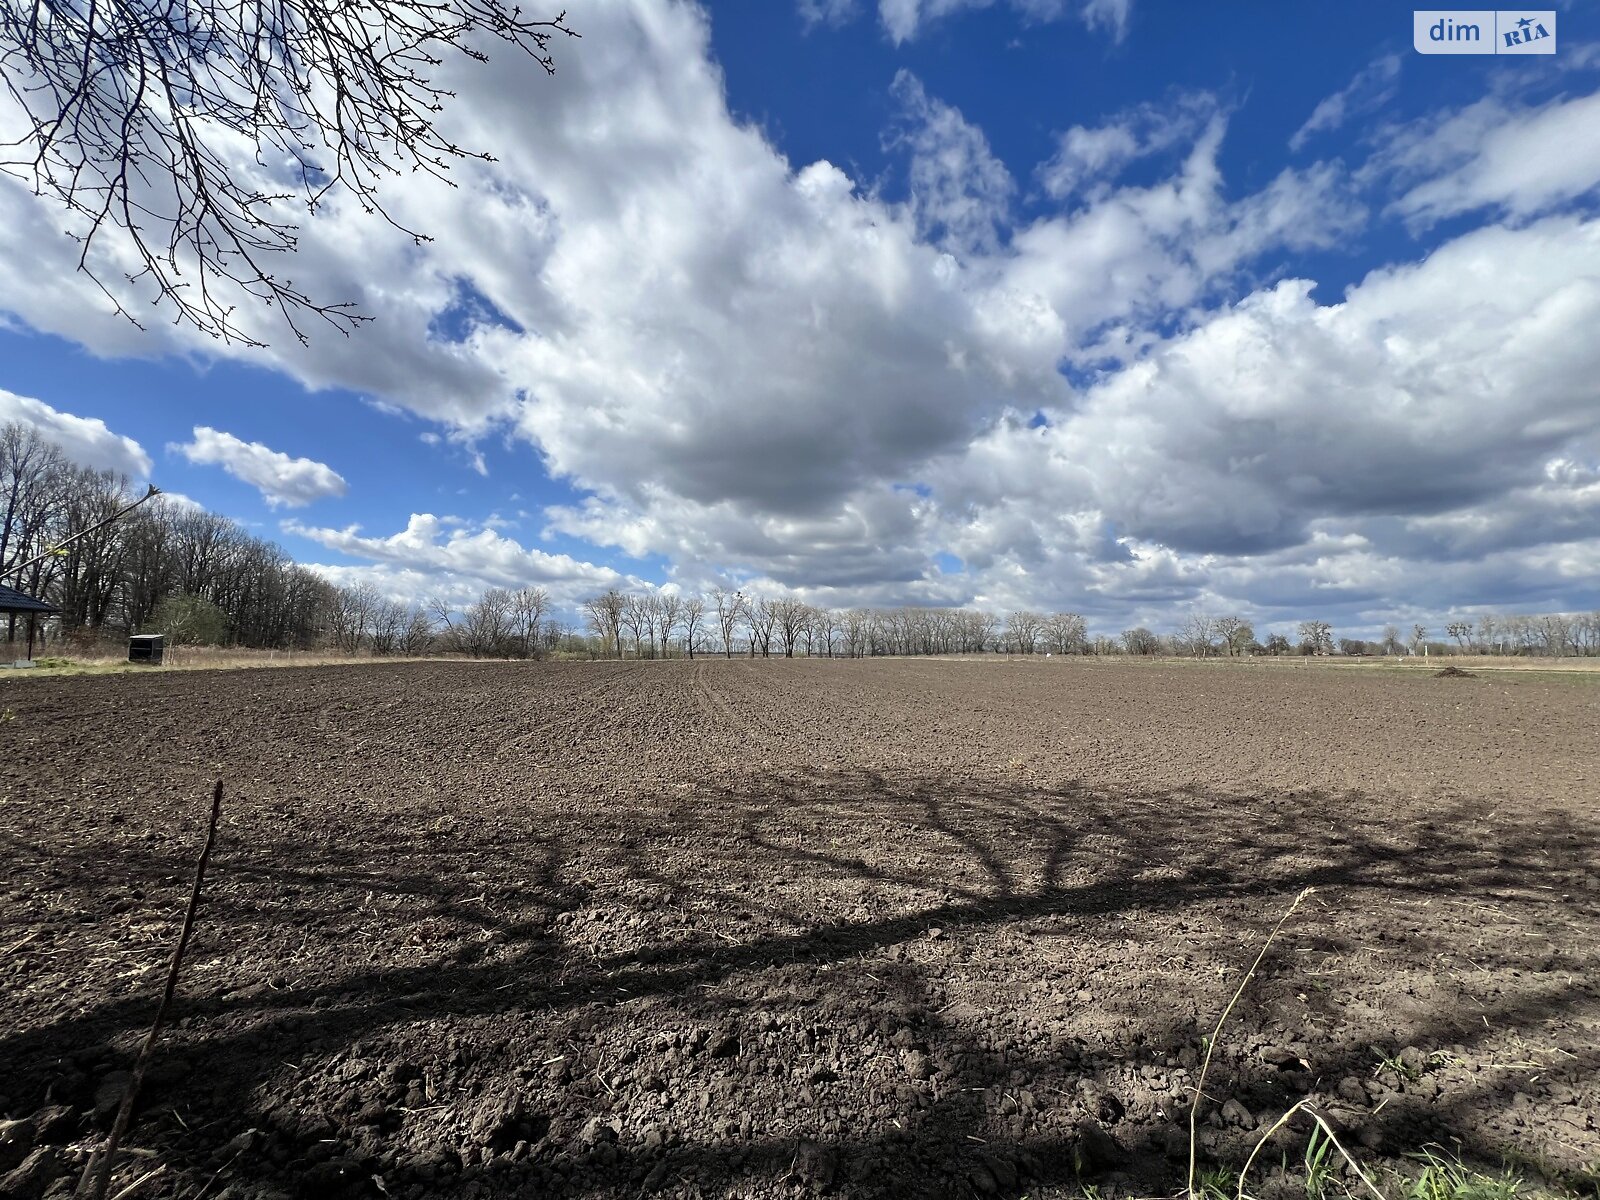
{"x":729,"y":623}
{"x":202,"y":578}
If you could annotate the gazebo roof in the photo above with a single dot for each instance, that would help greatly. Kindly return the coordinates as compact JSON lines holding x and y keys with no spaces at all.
{"x":13,"y":601}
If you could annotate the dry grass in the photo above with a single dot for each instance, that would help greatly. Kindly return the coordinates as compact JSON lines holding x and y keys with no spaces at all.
{"x":1410,"y":663}
{"x":1442,"y":1177}
{"x":113,"y":661}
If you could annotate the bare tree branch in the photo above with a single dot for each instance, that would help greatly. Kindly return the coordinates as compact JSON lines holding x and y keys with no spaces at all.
{"x":192,"y":125}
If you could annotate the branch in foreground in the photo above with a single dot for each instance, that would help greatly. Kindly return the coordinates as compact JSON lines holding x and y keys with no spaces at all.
{"x":189,"y":127}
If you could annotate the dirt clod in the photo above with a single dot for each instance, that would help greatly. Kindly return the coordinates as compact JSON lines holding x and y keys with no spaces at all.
{"x":1098,"y":1150}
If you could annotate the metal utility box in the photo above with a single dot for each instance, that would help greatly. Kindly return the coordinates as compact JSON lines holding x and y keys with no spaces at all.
{"x":146,"y":648}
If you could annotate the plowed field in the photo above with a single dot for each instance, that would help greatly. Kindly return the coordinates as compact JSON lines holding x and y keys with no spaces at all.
{"x":772,"y":928}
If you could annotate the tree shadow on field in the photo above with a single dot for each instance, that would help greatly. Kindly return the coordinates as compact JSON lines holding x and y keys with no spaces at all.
{"x":844,"y":981}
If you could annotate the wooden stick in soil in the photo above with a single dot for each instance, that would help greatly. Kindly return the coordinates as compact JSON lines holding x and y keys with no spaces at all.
{"x":97,"y":1175}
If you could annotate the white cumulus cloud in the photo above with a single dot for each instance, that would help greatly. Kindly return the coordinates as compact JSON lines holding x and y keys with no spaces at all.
{"x":442,"y":557}
{"x":280,"y":478}
{"x":84,"y":440}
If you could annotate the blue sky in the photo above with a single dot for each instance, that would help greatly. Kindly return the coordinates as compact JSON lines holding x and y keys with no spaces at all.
{"x":1123,"y":307}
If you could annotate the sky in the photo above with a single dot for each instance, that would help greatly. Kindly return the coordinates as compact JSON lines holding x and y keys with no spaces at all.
{"x":1122,"y":307}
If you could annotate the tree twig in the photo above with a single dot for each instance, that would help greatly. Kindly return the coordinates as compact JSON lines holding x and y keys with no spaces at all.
{"x":97,"y":1175}
{"x":65,"y":542}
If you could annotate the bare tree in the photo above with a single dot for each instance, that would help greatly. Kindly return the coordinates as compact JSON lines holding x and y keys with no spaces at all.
{"x":486,"y":627}
{"x":760,"y":618}
{"x":1140,"y":641}
{"x":528,"y":607}
{"x":668,"y":612}
{"x":810,"y":629}
{"x":826,"y":624}
{"x":1488,"y":633}
{"x":1064,"y":633}
{"x":1518,"y":632}
{"x":353,"y":609}
{"x":857,"y":633}
{"x":977,"y":631}
{"x":790,"y":617}
{"x":1022,"y":631}
{"x":1419,"y":638}
{"x":604,"y":615}
{"x":1461,"y":631}
{"x":1237,"y":634}
{"x":692,"y":621}
{"x":1555,"y":634}
{"x":1586,"y":628}
{"x":1198,"y":633}
{"x":638,"y":617}
{"x":729,"y":608}
{"x":29,"y":466}
{"x":388,"y":625}
{"x":1316,"y":637}
{"x":132,"y":113}
{"x":417,"y":636}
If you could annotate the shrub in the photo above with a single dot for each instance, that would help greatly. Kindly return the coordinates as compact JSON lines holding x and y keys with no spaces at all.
{"x":190,"y":621}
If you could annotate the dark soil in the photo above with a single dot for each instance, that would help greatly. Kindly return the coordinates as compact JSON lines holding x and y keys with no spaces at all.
{"x":768,"y":929}
{"x":1454,"y":673}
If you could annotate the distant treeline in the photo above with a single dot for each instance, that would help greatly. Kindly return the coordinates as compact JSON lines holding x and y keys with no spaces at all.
{"x":118,"y":577}
{"x":660,"y":624}
{"x":202,"y":578}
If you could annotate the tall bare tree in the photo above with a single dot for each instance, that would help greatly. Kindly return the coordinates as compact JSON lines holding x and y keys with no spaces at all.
{"x":857,"y":633}
{"x":1237,"y":634}
{"x":1555,"y":634}
{"x":730,"y":610}
{"x":487,"y":627}
{"x":1065,"y":633}
{"x":827,"y":627}
{"x":1489,"y":633}
{"x":1198,"y":632}
{"x":638,"y":617}
{"x":417,"y":636}
{"x":790,"y":617}
{"x":30,"y":465}
{"x":668,"y":612}
{"x":1140,"y":641}
{"x":1023,"y":628}
{"x":760,"y":617}
{"x":353,"y":610}
{"x":604,"y":615}
{"x":528,"y":608}
{"x":1316,"y":637}
{"x":692,"y":620}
